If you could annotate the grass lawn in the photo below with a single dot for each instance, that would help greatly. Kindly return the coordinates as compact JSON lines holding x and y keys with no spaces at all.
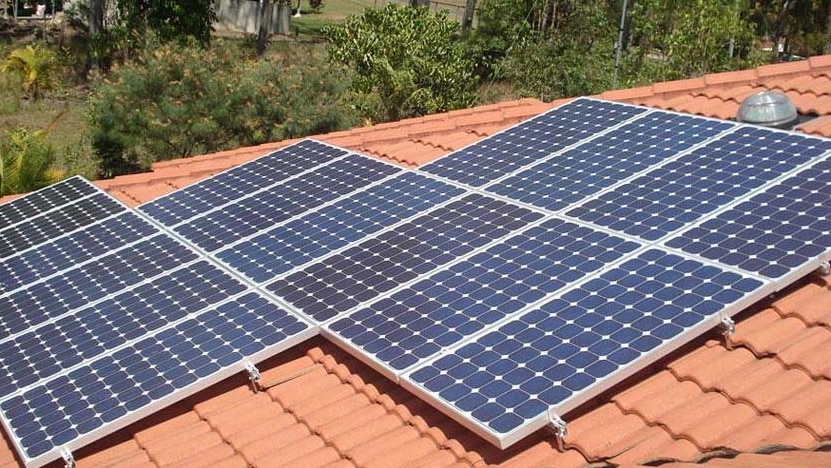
{"x":333,"y":12}
{"x":66,"y":127}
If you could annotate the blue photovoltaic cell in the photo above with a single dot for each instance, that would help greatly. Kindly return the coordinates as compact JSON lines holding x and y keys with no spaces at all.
{"x":39,"y":229}
{"x":272,"y":253}
{"x":93,"y":331}
{"x":515,"y":374}
{"x":340,"y":282}
{"x":77,"y":287}
{"x":45,"y":199}
{"x":608,"y":159}
{"x":773,"y":233}
{"x":261,"y":211}
{"x":49,"y":415}
{"x":421,"y":320}
{"x":236,"y":183}
{"x":530,"y":141}
{"x":68,"y":251}
{"x":677,"y":194}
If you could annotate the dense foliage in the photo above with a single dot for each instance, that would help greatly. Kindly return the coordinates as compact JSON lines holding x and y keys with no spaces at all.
{"x":170,"y":19}
{"x":177,"y":101}
{"x":556,"y":48}
{"x":406,"y":62}
{"x":26,"y":162}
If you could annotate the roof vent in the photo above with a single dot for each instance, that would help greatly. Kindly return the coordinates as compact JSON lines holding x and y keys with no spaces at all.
{"x":768,"y":108}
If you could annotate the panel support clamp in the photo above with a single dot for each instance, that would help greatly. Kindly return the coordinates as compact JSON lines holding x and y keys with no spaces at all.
{"x":68,"y":458}
{"x":253,"y":375}
{"x":728,"y":328}
{"x":560,"y":430}
{"x":824,"y":268}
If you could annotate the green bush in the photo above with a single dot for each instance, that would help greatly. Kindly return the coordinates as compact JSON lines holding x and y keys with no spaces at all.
{"x":177,"y":101}
{"x":26,"y":162}
{"x":406,"y":62}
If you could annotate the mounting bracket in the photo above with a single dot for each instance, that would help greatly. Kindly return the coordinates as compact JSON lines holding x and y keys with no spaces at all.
{"x":728,"y":328}
{"x":253,"y":375}
{"x":824,"y":268}
{"x":68,"y":458}
{"x":560,"y":429}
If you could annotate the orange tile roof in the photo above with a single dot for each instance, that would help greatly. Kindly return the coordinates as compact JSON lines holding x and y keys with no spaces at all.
{"x":764,"y":402}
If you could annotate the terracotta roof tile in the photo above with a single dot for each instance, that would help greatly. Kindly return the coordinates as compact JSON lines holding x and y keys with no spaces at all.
{"x":800,"y":66}
{"x":821,"y":126}
{"x":678,"y":85}
{"x":739,"y":76}
{"x":627,"y":94}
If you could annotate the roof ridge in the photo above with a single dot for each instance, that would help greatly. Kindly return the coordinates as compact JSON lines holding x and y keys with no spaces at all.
{"x":442,"y":442}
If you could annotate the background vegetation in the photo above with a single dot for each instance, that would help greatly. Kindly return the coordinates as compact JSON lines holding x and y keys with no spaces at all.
{"x":123,"y":83}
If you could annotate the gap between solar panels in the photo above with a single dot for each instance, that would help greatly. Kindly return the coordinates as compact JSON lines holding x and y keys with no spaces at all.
{"x":506,"y":283}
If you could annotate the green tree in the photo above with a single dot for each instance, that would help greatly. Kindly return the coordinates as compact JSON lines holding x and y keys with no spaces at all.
{"x":405,"y":60}
{"x":547,"y":49}
{"x":26,"y":162}
{"x":35,"y":65}
{"x":177,"y":101}
{"x":675,"y":40}
{"x":170,"y":20}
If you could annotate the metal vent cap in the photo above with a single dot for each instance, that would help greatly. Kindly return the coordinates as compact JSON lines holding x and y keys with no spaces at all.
{"x":768,"y":108}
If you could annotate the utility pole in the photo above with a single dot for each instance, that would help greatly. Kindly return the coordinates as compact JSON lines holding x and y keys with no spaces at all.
{"x":619,"y":44}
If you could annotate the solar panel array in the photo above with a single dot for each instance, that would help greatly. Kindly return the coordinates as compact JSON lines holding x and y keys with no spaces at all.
{"x":507,"y":282}
{"x":105,"y":318}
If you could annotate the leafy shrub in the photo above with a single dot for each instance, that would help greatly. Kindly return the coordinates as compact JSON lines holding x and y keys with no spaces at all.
{"x":35,"y":65}
{"x":177,"y":101}
{"x":405,"y":60}
{"x":26,"y":162}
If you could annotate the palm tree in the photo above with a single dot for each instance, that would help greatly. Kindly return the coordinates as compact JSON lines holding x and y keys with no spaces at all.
{"x":26,"y":162}
{"x":35,"y":64}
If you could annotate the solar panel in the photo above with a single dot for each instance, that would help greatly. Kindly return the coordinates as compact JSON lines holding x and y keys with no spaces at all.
{"x":607,"y":159}
{"x":100,"y":395}
{"x":680,"y":192}
{"x":421,"y":320}
{"x":301,"y":240}
{"x":68,"y":250}
{"x":19,"y":237}
{"x":503,"y":384}
{"x":348,"y":278}
{"x":71,"y":289}
{"x":45,"y":199}
{"x":783,"y":230}
{"x":262,"y":209}
{"x":530,"y":141}
{"x":239,"y":182}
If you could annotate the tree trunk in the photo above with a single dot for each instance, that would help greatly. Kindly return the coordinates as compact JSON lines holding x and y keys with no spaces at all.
{"x":96,"y":28}
{"x":780,"y":26}
{"x":827,"y":48}
{"x":284,"y":17}
{"x":420,"y":3}
{"x":266,"y":17}
{"x":467,"y":21}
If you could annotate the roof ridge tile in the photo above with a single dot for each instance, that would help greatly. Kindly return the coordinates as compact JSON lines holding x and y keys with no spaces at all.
{"x":784,"y":68}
